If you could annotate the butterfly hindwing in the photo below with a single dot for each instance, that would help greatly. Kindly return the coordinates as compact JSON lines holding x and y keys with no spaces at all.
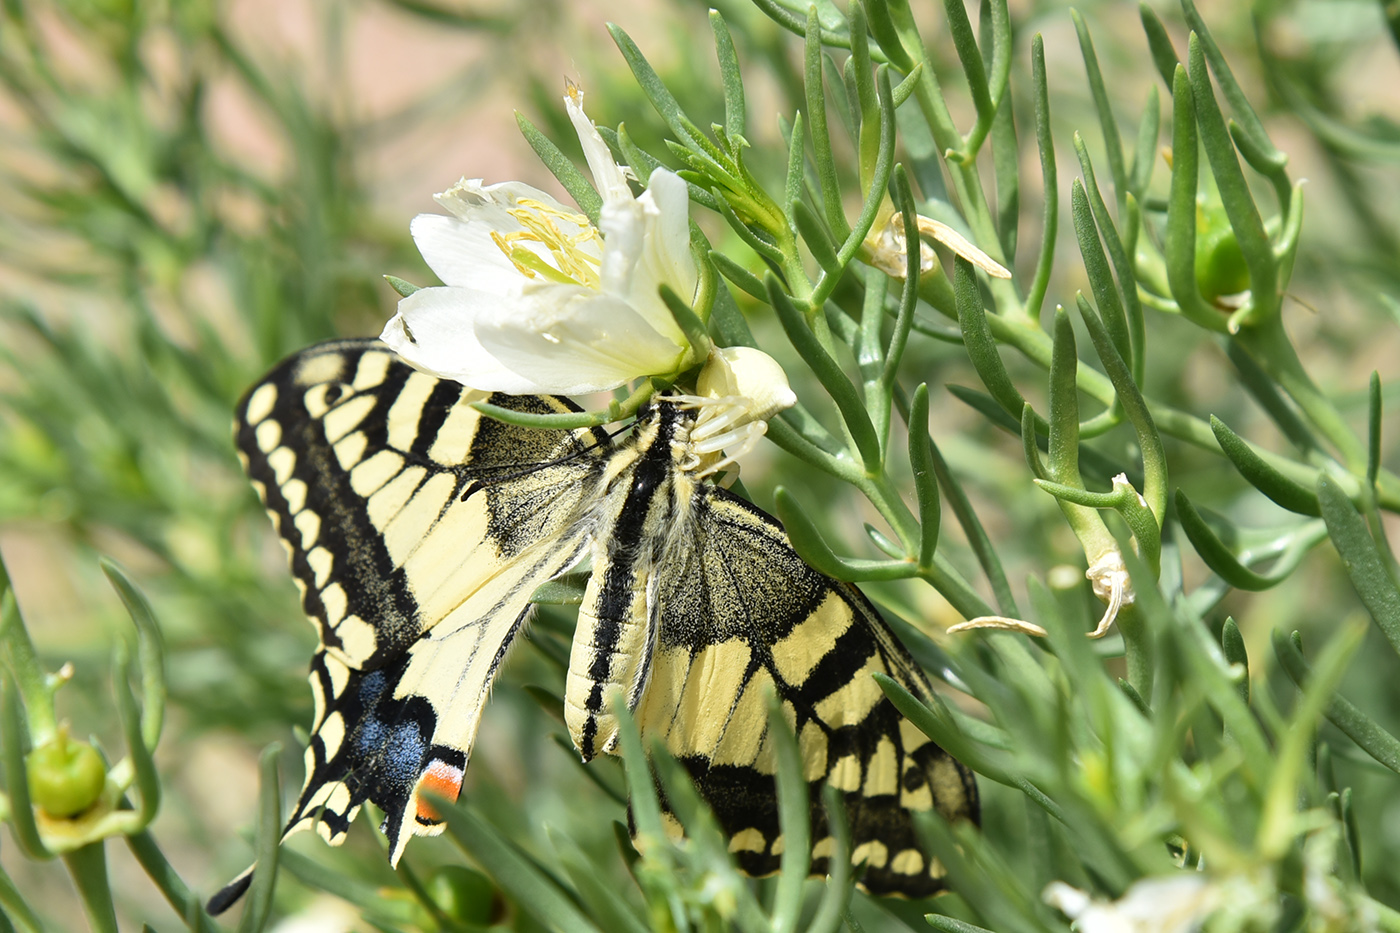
{"x":417,"y":530}
{"x":697,"y":610}
{"x":740,"y":615}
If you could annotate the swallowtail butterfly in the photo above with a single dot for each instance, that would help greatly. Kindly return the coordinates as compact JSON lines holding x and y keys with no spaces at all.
{"x":418,"y":530}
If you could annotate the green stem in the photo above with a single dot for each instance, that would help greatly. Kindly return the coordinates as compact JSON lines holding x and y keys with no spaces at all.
{"x":941,"y":575}
{"x":158,"y":869}
{"x":88,"y":866}
{"x":966,"y":183}
{"x":1137,"y":648}
{"x":944,"y":578}
{"x":1027,"y":336}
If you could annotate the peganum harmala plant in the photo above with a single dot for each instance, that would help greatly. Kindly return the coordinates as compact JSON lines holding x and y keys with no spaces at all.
{"x":1190,"y":782}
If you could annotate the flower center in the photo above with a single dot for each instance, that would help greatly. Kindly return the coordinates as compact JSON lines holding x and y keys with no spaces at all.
{"x":574,"y":263}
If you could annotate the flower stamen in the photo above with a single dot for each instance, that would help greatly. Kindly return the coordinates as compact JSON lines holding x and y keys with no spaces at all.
{"x":574,"y":262}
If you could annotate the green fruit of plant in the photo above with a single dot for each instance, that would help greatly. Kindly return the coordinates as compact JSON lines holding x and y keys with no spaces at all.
{"x":65,"y":777}
{"x":1220,"y":265}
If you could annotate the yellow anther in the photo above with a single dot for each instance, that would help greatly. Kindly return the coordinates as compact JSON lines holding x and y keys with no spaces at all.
{"x":574,"y":261}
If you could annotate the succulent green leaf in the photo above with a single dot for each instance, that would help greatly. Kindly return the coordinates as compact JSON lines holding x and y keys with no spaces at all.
{"x":1361,"y":558}
{"x":794,"y":817}
{"x":827,"y":371}
{"x":1263,"y":476}
{"x":1234,"y":192}
{"x":1180,"y":238}
{"x":12,"y":756}
{"x":1159,"y":43}
{"x":258,"y":905}
{"x":1373,"y":431}
{"x":1232,"y":643}
{"x":730,"y":76}
{"x":813,"y":548}
{"x":150,"y":653}
{"x":982,"y":349}
{"x":925,"y":477}
{"x":1154,"y":463}
{"x":822,"y":155}
{"x":972,"y":527}
{"x":1368,"y":734}
{"x":562,"y":168}
{"x":1215,"y":553}
{"x":1112,"y":141}
{"x":1050,"y":221}
{"x":816,"y":236}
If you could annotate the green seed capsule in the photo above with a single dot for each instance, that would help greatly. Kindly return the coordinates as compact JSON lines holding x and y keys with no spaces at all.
{"x":65,"y":777}
{"x":1220,"y":265}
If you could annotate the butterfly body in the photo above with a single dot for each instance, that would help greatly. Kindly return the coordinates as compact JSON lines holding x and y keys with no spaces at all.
{"x":418,"y":530}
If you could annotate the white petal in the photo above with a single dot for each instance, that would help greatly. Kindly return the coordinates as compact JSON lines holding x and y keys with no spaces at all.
{"x":434,"y":330}
{"x":668,"y":256}
{"x":624,"y":226}
{"x":463,"y":254}
{"x":647,"y":246}
{"x":607,"y":175}
{"x":570,"y":340}
{"x":470,"y":199}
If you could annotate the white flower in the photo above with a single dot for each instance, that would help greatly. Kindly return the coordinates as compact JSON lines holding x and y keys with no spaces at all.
{"x":1173,"y":904}
{"x":535,"y":298}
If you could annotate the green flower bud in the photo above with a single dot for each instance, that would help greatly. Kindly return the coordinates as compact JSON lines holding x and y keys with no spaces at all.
{"x":467,"y":897}
{"x":65,"y":777}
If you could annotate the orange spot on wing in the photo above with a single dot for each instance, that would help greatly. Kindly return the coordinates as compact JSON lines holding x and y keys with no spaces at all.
{"x":438,"y":778}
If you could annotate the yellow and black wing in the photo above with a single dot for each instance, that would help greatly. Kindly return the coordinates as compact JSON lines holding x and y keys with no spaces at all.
{"x":417,"y":531}
{"x":737,"y":613}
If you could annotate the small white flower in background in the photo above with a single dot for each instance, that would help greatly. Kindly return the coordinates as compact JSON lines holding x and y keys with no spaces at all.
{"x":1175,"y":904}
{"x":887,"y":250}
{"x":535,"y":298}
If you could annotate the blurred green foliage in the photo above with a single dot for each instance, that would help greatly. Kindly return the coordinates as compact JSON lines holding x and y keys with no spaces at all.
{"x":152,"y":269}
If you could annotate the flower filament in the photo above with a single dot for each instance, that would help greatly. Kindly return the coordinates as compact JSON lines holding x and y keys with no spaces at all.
{"x":574,"y":262}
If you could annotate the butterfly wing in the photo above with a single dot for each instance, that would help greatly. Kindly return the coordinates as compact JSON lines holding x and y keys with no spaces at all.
{"x":739,"y":613}
{"x":417,"y":530}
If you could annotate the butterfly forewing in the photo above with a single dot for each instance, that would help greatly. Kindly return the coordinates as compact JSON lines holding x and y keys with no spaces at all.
{"x":417,"y":531}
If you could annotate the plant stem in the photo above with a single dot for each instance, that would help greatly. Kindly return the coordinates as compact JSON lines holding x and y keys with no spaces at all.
{"x":1137,"y":649}
{"x":1037,"y":346}
{"x":88,"y":866}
